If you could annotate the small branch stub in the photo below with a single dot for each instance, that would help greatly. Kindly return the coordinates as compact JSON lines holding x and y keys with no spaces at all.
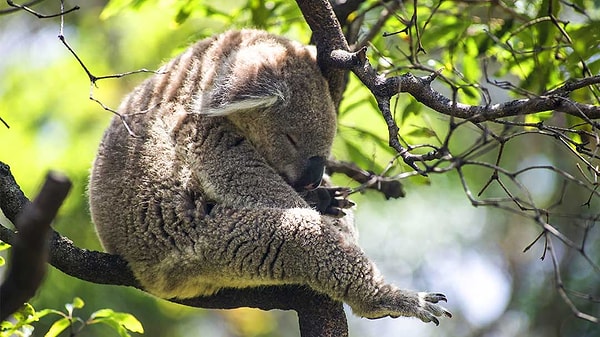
{"x":30,"y":248}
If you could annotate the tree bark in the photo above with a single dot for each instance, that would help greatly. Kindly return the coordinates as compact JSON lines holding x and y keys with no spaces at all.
{"x":27,"y":265}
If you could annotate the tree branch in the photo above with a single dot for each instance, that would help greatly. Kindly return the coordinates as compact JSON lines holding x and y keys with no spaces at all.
{"x":30,"y":248}
{"x":334,"y":53}
{"x":327,"y":36}
{"x":318,"y":314}
{"x":390,"y":188}
{"x":420,"y":88}
{"x":37,"y":14}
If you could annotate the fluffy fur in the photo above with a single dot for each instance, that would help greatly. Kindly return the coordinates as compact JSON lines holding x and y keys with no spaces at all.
{"x":206,"y":196}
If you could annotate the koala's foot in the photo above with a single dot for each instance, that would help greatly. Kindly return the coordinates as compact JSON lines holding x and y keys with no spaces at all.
{"x":394,"y":303}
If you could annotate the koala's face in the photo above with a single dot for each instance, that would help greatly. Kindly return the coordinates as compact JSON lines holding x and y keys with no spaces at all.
{"x":295,"y":132}
{"x":274,"y":92}
{"x":295,"y":135}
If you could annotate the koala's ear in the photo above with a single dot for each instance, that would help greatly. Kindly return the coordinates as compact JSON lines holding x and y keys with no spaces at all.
{"x":240,"y":104}
{"x":228,"y":98}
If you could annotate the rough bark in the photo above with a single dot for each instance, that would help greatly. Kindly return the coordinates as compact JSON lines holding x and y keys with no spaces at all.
{"x":27,"y":265}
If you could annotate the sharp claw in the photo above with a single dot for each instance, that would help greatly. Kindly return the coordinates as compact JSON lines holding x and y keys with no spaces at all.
{"x":435,"y":297}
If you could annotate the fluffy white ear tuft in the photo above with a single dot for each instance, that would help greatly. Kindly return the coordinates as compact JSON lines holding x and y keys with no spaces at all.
{"x":241,"y":105}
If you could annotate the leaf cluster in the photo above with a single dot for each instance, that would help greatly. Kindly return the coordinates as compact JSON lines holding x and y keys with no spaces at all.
{"x":23,"y":320}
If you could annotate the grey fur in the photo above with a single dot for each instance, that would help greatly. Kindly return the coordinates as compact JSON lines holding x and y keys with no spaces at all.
{"x":202,"y":198}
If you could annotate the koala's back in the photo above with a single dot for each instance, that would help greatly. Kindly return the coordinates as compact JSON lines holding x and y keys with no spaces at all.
{"x":145,"y":198}
{"x":133,"y":170}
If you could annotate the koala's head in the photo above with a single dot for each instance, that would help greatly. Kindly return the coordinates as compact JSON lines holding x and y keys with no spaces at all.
{"x":272,"y":90}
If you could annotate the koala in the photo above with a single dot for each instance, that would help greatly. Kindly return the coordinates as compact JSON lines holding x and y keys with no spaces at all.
{"x":206,"y":190}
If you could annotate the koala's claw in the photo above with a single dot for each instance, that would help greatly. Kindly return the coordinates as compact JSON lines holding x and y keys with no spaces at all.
{"x":394,"y":302}
{"x":329,"y":200}
{"x":433,"y":297}
{"x":428,"y":309}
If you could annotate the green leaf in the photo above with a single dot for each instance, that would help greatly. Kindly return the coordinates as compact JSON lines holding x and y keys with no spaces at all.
{"x":58,"y":327}
{"x":421,"y":131}
{"x":413,"y":108}
{"x":356,"y":154}
{"x":102,"y":313}
{"x":41,"y":313}
{"x":108,"y":316}
{"x":24,"y":312}
{"x":76,"y":304}
{"x":116,"y":326}
{"x":538,"y":117}
{"x":4,"y":325}
{"x":129,"y":322}
{"x":115,"y":6}
{"x":4,"y":246}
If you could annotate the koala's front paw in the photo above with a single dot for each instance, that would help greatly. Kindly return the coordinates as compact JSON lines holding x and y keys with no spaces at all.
{"x":328,"y":200}
{"x":394,"y":303}
{"x":427,"y":309}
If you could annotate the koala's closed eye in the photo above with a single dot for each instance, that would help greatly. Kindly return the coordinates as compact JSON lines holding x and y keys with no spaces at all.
{"x":292,"y":140}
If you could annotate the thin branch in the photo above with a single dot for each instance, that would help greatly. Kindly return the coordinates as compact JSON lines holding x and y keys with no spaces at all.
{"x":391,"y":188}
{"x":15,"y":8}
{"x":37,"y":14}
{"x":561,"y":287}
{"x":387,"y":12}
{"x":93,"y":79}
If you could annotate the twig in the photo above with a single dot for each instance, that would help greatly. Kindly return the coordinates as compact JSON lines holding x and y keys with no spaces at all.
{"x":37,"y":14}
{"x":391,"y":188}
{"x":4,"y":122}
{"x":14,"y":8}
{"x":387,"y":12}
{"x":561,"y":287}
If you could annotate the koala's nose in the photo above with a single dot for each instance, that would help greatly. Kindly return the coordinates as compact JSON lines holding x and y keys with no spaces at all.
{"x":312,"y":174}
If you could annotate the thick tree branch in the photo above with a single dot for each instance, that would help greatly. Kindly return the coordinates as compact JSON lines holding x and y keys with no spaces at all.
{"x":30,"y":249}
{"x":327,"y":36}
{"x":318,"y":314}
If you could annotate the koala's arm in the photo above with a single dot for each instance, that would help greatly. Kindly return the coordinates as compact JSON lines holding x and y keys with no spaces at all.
{"x":228,"y":169}
{"x":290,"y":246}
{"x":329,"y":263}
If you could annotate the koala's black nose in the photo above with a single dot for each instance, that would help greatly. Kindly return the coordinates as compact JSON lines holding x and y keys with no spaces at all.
{"x":312,"y":174}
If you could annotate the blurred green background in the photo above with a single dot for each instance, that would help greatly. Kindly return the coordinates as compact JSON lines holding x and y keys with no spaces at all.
{"x":431,"y":240}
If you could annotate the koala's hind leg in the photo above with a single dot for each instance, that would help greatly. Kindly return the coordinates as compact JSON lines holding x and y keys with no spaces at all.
{"x":299,"y":246}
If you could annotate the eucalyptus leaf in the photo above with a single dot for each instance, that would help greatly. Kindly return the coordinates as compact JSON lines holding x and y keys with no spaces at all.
{"x":58,"y":327}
